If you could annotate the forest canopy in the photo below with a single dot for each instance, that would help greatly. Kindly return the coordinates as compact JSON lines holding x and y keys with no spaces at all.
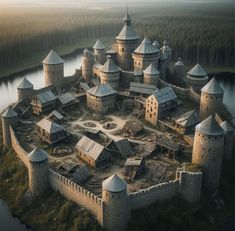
{"x":203,"y":33}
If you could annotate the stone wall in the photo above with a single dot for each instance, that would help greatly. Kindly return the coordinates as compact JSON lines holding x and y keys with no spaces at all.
{"x":125,"y":79}
{"x":184,"y":92}
{"x":77,"y":194}
{"x":145,"y":197}
{"x":20,"y":152}
{"x":194,"y":96}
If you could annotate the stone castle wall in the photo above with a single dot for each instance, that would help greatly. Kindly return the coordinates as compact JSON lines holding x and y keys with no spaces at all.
{"x":77,"y":194}
{"x":20,"y":152}
{"x":125,"y":79}
{"x":145,"y":197}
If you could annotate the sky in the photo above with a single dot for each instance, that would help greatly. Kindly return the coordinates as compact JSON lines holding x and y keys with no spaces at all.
{"x":78,"y":3}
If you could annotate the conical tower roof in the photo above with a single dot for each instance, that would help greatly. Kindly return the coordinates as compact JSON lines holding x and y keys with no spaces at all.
{"x":99,"y":45}
{"x":9,"y":113}
{"x":52,"y":58}
{"x":127,"y":17}
{"x":156,"y":43}
{"x":151,"y":70}
{"x":37,"y":156}
{"x":210,"y":126}
{"x":109,"y":66}
{"x":146,"y":47}
{"x":179,"y":62}
{"x":25,"y":84}
{"x":114,"y":184}
{"x":213,"y":87}
{"x":197,"y":70}
{"x":226,"y":126}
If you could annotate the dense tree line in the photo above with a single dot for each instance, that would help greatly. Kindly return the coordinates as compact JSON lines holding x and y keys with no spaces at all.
{"x":199,"y":34}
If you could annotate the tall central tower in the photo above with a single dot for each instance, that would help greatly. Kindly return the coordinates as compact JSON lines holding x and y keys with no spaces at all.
{"x":126,"y":42}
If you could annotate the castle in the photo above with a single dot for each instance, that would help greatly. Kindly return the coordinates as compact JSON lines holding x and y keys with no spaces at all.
{"x":131,"y":65}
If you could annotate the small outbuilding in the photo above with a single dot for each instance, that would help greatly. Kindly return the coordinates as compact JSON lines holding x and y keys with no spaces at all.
{"x":133,"y":127}
{"x":55,"y":116}
{"x":165,"y":145}
{"x":50,"y":131}
{"x":67,"y":100}
{"x":141,"y":89}
{"x":134,"y":167}
{"x":93,"y":153}
{"x":186,"y":123}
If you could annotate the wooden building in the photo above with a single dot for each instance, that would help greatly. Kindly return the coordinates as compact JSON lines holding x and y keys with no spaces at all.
{"x":93,"y":153}
{"x":167,"y":146}
{"x":160,"y":104}
{"x":67,"y":100}
{"x":43,"y":102}
{"x":50,"y":132}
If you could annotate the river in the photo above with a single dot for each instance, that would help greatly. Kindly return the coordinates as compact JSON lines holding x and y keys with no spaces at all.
{"x":8,"y":95}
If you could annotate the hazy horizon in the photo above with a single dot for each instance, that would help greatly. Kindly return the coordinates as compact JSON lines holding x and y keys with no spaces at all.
{"x":92,"y":3}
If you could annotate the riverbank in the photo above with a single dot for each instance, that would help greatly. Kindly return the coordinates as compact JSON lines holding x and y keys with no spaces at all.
{"x":34,"y":62}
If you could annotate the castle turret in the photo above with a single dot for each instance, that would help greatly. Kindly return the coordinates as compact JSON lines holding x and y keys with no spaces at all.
{"x":167,"y":50}
{"x":116,"y":204}
{"x":208,"y":151}
{"x":211,"y":98}
{"x":163,"y":65}
{"x":38,"y":172}
{"x":24,"y":89}
{"x":87,"y":65}
{"x":179,"y":72}
{"x":151,"y":75}
{"x":110,"y":73}
{"x":156,"y":44}
{"x":99,"y":52}
{"x":145,"y":54}
{"x":126,"y":42}
{"x":196,"y":78}
{"x":9,"y":118}
{"x":228,"y":140}
{"x":53,"y":67}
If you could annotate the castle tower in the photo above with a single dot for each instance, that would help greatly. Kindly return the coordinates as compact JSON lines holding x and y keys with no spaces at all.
{"x":38,"y":172}
{"x":151,"y":75}
{"x":179,"y":72}
{"x":163,"y":65}
{"x":211,"y":98}
{"x":145,"y":54}
{"x":9,"y":118}
{"x":110,"y":73}
{"x":208,"y":151}
{"x":99,"y":52}
{"x":87,"y":65}
{"x":138,"y":76}
{"x":228,"y":140}
{"x":116,"y":209}
{"x":24,"y":89}
{"x":53,"y":67}
{"x":167,"y":50}
{"x":126,"y":42}
{"x":196,"y":78}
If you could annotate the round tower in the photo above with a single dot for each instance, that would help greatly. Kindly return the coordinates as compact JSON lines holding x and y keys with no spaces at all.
{"x":167,"y":50}
{"x":87,"y":65}
{"x":196,"y":78}
{"x":211,"y":98}
{"x":38,"y":172}
{"x":163,"y":65}
{"x":151,"y":75}
{"x":179,"y":71}
{"x":208,"y":151}
{"x":126,"y":42}
{"x":9,"y":118}
{"x":116,"y":211}
{"x":110,"y":73}
{"x":24,"y":89}
{"x":53,"y":67}
{"x":228,"y":140}
{"x":99,"y":52}
{"x":145,"y":54}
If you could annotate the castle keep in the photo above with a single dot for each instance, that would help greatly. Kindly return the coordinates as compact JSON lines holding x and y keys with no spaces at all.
{"x":92,"y":122}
